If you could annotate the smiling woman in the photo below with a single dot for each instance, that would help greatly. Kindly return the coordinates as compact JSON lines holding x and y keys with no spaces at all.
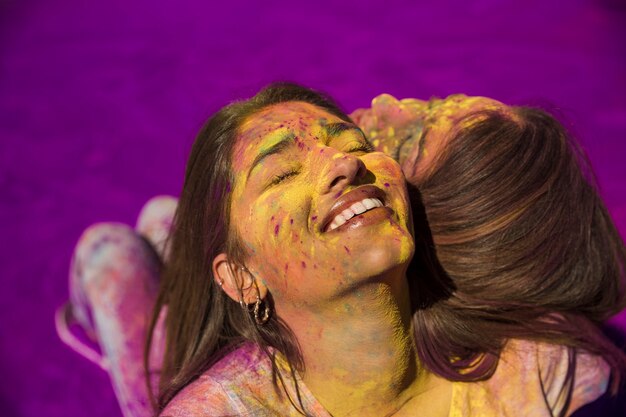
{"x":300,"y":276}
{"x":319,"y":239}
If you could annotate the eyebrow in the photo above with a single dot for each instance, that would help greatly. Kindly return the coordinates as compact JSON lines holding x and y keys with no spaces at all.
{"x":336,"y":129}
{"x":332,"y":130}
{"x":285,"y":141}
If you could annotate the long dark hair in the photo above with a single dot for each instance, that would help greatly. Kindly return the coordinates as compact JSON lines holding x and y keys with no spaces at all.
{"x":512,"y":241}
{"x":528,"y":247}
{"x":202,"y":322}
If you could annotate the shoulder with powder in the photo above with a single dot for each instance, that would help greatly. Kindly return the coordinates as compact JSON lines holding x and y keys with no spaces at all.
{"x":217,"y":391}
{"x":531,"y":380}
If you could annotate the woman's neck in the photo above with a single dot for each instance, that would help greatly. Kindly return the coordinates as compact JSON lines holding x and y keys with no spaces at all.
{"x":359,"y":351}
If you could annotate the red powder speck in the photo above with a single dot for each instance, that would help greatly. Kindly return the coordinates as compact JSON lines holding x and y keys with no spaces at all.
{"x":314,"y":218}
{"x":303,"y":264}
{"x":321,"y":150}
{"x":386,"y":184}
{"x":314,"y":266}
{"x":276,"y":229}
{"x":272,"y":218}
{"x":290,"y":221}
{"x":286,"y":267}
{"x":347,"y":250}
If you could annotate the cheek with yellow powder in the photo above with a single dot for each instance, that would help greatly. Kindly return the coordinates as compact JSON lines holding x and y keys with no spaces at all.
{"x":277,"y":223}
{"x":300,"y":265}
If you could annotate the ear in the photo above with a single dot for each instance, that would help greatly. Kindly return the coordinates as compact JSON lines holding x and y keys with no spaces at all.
{"x":238,"y":283}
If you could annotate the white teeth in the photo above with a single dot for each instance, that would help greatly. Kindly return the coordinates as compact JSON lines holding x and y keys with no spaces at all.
{"x":348,"y":214}
{"x":369,"y":203}
{"x":358,"y":208}
{"x":354,"y":210}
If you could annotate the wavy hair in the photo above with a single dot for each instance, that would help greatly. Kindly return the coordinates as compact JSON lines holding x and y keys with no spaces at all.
{"x":527,"y":246}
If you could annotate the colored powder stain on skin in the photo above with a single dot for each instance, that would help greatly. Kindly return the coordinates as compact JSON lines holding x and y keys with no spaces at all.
{"x":276,"y":229}
{"x":290,"y":221}
{"x":347,"y":250}
{"x":300,"y":144}
{"x":314,"y":218}
{"x":303,"y":264}
{"x":386,"y":184}
{"x":286,"y":267}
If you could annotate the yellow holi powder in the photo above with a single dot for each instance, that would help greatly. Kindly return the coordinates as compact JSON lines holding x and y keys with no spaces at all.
{"x":373,"y":134}
{"x":376,"y":142}
{"x":339,"y":372}
{"x":366,"y":387}
{"x":406,"y":247}
{"x":390,"y":131}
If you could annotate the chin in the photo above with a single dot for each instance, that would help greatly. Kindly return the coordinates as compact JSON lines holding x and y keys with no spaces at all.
{"x":379,"y":259}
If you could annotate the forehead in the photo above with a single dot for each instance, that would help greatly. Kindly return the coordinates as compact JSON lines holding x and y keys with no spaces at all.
{"x":265,"y":128}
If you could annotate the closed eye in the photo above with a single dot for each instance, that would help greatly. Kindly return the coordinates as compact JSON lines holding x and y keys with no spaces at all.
{"x":277,"y":179}
{"x":361,"y":147}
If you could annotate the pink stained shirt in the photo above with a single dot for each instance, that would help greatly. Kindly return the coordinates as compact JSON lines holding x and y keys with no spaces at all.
{"x":529,"y":381}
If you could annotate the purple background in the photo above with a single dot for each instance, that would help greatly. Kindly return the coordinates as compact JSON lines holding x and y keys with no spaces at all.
{"x":100,"y":101}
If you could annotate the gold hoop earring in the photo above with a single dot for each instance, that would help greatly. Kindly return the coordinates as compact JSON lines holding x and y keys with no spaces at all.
{"x":266,"y":311}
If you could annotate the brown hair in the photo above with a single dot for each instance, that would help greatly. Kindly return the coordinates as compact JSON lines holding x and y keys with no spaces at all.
{"x":202,"y":321}
{"x":527,"y":244}
{"x":524,"y":249}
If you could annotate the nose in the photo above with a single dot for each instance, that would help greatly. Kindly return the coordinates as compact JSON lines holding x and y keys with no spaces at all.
{"x":344,"y":169}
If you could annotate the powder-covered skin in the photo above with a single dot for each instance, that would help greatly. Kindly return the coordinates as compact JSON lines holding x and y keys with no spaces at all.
{"x":114,"y":279}
{"x":343,"y":292}
{"x":270,"y":214}
{"x":530,"y":374}
{"x":415,"y":131}
{"x":529,"y":381}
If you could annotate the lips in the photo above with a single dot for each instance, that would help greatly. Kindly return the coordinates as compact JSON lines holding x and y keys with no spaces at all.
{"x":352,"y":204}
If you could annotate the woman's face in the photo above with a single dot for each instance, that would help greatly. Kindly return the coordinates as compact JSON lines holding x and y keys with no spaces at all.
{"x":318,"y":212}
{"x":415,"y":131}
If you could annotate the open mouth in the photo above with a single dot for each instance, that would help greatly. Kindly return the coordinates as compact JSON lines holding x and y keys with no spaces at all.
{"x":363,"y":205}
{"x":355,"y":209}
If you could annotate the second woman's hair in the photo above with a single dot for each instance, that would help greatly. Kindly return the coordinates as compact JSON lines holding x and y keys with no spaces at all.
{"x":526,"y":242}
